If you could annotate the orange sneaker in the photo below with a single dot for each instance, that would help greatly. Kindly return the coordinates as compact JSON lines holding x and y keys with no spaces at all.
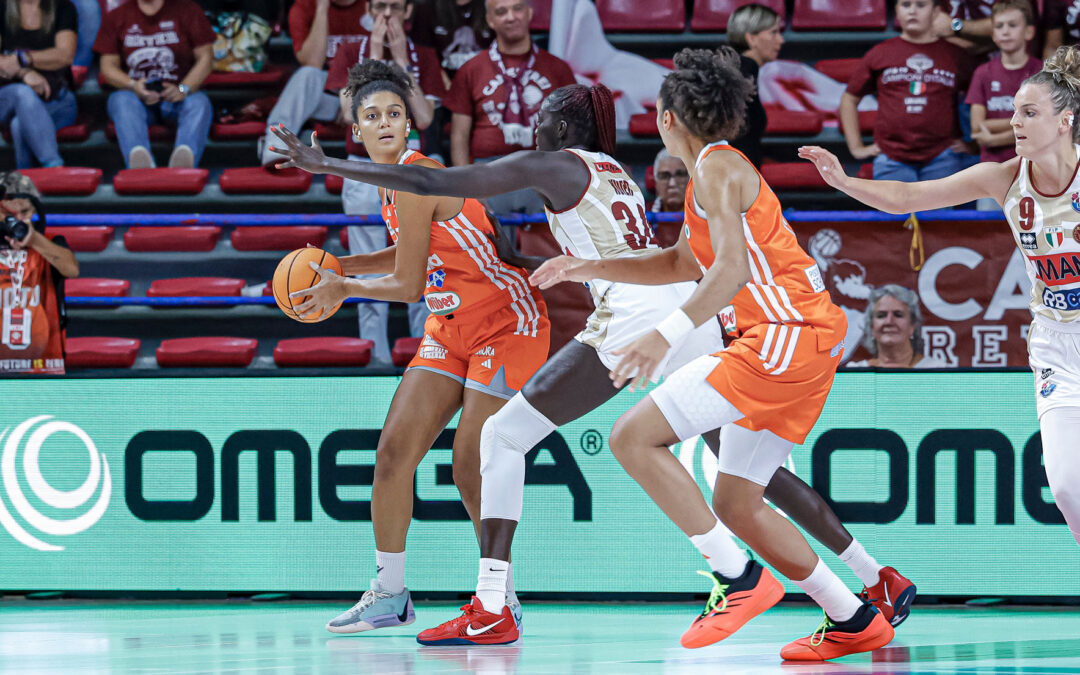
{"x":732,"y":603}
{"x":866,"y":631}
{"x":475,"y":626}
{"x":892,"y":595}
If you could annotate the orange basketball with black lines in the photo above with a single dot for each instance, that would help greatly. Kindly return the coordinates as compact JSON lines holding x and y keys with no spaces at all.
{"x":294,"y":273}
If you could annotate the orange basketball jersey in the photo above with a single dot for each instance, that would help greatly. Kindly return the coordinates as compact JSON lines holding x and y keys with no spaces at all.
{"x":786,"y":288}
{"x":465,"y":277}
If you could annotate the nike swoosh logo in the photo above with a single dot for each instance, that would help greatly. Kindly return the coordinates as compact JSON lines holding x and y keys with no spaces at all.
{"x":888,"y":600}
{"x":473,"y":633}
{"x":378,"y":569}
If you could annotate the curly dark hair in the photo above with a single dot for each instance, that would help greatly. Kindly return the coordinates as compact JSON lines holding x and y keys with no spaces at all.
{"x":708,"y":92}
{"x":371,"y":76}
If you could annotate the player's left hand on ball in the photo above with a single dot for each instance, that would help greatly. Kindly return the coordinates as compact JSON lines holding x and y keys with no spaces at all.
{"x":639,"y":360}
{"x":323,"y":296}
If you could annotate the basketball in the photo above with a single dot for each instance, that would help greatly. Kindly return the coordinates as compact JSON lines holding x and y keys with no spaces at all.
{"x":294,"y":273}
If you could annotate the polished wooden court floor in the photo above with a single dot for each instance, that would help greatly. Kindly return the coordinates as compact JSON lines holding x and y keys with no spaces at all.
{"x":65,"y":636}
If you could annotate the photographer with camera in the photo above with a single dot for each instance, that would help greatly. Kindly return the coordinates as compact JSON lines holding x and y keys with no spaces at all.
{"x":32,"y":271}
{"x":167,"y":48}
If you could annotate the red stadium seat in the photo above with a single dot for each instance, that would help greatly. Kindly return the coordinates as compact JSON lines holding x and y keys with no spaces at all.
{"x":237,"y":131}
{"x":713,"y":15}
{"x":793,"y":176}
{"x":331,"y":132}
{"x":643,"y":125}
{"x":191,"y":238}
{"x":838,"y":69}
{"x":96,"y":287}
{"x":83,"y":239}
{"x":793,"y":122}
{"x":206,"y":352}
{"x":324,"y":352}
{"x":650,"y":179}
{"x":277,"y":238}
{"x":195,"y":287}
{"x":541,"y":20}
{"x":100,"y":352}
{"x":404,"y":350}
{"x":655,"y":16}
{"x":838,"y":15}
{"x":866,"y":171}
{"x":159,"y":133}
{"x":65,"y":180}
{"x":160,"y":181}
{"x":666,"y":63}
{"x":333,"y":183}
{"x":271,"y":76}
{"x":257,"y":180}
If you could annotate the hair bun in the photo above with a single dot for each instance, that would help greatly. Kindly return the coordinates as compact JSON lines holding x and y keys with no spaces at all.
{"x":1064,"y":67}
{"x":372,"y":70}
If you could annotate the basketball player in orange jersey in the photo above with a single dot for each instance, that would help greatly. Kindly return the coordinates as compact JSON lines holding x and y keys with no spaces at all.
{"x":1039,"y":191}
{"x":766,"y":390}
{"x":595,"y":211}
{"x":486,"y":336}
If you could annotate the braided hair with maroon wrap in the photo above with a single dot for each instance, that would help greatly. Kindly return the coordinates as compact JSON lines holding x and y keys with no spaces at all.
{"x":590,"y":111}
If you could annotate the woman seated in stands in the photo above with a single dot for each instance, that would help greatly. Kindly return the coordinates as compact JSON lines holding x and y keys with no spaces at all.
{"x":37,"y":38}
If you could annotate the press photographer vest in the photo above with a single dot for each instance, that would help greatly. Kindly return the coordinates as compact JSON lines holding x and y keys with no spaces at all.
{"x":31,"y":337}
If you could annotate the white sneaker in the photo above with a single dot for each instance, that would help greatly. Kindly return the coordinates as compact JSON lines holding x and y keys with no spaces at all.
{"x":376,"y":609}
{"x":182,"y":158}
{"x":140,"y":158}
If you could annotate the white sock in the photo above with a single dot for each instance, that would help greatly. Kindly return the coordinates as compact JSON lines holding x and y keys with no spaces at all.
{"x":509,"y":578}
{"x":720,"y":550}
{"x":491,"y":584}
{"x":390,"y":571}
{"x":827,"y":590}
{"x":861,"y":563}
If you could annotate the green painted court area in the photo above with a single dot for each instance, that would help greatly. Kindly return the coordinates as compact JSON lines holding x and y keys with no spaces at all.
{"x":118,"y":637}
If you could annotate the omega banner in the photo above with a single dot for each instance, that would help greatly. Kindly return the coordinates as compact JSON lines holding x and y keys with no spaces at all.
{"x":973,"y":287}
{"x":251,"y":484}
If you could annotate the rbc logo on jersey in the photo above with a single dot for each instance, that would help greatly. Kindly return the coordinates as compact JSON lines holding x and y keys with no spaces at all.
{"x":436,"y":278}
{"x":1054,"y":236}
{"x":1047,"y":389}
{"x":1076,"y":201}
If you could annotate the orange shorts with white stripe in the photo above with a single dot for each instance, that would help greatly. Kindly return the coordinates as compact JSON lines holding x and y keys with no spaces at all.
{"x":491,"y":355}
{"x":775,"y":375}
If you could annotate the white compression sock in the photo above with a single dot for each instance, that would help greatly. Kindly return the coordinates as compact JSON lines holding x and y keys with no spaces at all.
{"x":721,"y":552}
{"x":390,"y":571}
{"x":827,"y":590}
{"x":861,"y":563}
{"x":510,"y":577}
{"x":491,"y":584}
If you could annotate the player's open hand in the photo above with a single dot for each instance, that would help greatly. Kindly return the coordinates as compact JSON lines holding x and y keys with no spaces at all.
{"x":562,"y":268}
{"x":826,"y":163}
{"x":323,"y":296}
{"x":639,"y":360}
{"x":311,"y":159}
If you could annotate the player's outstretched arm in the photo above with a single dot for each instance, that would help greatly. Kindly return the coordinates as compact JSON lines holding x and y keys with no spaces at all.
{"x":987,"y":179}
{"x":664,"y":266}
{"x":559,"y":177}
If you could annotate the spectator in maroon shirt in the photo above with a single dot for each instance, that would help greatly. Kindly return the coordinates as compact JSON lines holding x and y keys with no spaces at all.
{"x":1061,"y":21}
{"x":421,"y":64}
{"x":166,"y":47}
{"x":997,"y":81}
{"x":496,"y":96}
{"x":318,"y":28}
{"x":917,"y":78}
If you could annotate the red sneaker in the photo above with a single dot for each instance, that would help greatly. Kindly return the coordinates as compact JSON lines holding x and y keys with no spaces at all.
{"x":732,"y":603}
{"x":475,"y":626}
{"x":892,"y":595}
{"x":866,"y":631}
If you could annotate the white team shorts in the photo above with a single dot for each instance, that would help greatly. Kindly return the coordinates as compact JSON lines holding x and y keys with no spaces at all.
{"x":1054,"y":356}
{"x":629,"y":311}
{"x":692,"y":407}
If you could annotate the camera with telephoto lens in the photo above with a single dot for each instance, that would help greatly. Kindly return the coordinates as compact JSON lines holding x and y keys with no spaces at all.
{"x":14,"y":228}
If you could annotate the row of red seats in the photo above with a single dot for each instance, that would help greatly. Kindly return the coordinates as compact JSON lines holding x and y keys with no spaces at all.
{"x":217,"y":352}
{"x":712,"y":15}
{"x":76,"y":181}
{"x":195,"y":238}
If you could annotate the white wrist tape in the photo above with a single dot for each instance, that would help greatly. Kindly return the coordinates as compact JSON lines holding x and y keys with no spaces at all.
{"x":676,"y":327}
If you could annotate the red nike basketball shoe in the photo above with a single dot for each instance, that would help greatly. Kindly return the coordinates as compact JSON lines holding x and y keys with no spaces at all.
{"x":475,"y":626}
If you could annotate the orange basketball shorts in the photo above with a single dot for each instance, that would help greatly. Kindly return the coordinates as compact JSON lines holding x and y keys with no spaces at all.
{"x":492,"y":354}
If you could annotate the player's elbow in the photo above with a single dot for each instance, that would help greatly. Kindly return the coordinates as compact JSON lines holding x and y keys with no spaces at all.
{"x":412,"y":291}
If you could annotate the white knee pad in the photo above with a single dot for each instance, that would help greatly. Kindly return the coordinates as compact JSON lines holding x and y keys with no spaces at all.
{"x":504,"y":440}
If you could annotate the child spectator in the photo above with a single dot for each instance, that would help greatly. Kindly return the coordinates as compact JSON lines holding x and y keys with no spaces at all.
{"x":917,"y":78}
{"x":35,"y":76}
{"x":167,"y":48}
{"x":997,"y":81}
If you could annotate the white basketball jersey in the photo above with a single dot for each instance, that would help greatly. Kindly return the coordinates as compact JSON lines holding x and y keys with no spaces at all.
{"x":608,"y":221}
{"x":1047,"y":230}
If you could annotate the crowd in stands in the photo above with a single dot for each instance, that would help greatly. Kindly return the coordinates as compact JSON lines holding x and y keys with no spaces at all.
{"x":943,"y":85}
